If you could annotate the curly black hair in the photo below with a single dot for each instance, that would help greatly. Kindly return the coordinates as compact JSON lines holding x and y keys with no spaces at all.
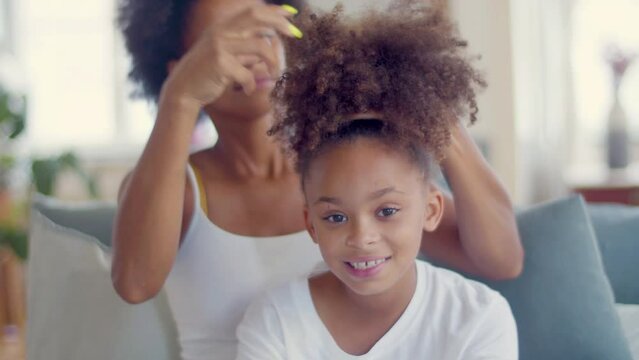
{"x":153,"y":32}
{"x":406,"y":64}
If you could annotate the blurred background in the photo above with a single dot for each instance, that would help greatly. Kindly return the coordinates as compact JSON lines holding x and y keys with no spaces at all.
{"x":560,"y":114}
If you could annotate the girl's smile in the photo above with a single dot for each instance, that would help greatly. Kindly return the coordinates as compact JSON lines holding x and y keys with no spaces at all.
{"x":366,"y":267}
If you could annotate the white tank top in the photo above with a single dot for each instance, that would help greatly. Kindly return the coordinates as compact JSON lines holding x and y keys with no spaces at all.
{"x":217,"y":274}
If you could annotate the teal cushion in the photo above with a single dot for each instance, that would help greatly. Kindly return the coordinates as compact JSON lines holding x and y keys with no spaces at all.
{"x":617,"y":229}
{"x":562,"y":302}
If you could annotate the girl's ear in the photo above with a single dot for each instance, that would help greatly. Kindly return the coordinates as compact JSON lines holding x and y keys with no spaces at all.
{"x":309,"y":225}
{"x":434,"y":208}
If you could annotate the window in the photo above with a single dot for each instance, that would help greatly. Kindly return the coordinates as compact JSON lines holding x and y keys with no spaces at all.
{"x":75,"y":68}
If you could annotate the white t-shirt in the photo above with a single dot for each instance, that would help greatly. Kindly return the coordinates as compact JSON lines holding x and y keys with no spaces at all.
{"x":217,"y":274}
{"x":449,"y":317}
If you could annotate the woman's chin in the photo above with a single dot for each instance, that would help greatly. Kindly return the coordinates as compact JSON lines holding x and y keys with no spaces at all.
{"x":241,"y":106}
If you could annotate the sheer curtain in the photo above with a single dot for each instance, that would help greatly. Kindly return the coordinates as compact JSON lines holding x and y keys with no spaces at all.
{"x":541,"y":33}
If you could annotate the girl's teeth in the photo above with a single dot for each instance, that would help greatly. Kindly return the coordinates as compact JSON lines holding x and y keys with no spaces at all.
{"x":362,"y":265}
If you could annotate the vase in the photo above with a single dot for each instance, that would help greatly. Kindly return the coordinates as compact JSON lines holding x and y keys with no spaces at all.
{"x":617,"y":140}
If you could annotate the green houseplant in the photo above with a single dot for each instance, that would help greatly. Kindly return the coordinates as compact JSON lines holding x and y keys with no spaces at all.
{"x":44,"y":172}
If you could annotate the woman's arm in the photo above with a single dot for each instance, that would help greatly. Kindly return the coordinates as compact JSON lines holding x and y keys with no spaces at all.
{"x":478,"y":233}
{"x":149,"y":220}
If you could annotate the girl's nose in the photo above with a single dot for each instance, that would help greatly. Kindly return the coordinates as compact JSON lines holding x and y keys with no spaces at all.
{"x":362,"y":235}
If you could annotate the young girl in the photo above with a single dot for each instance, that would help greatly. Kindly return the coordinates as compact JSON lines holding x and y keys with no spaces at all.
{"x":365,"y":107}
{"x":215,"y":228}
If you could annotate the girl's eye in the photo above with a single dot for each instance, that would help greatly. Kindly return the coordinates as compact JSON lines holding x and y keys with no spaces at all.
{"x":386,"y":212}
{"x":336,"y":218}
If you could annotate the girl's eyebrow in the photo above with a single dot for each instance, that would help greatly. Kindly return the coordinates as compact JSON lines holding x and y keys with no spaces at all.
{"x":379,"y":193}
{"x":374,"y":195}
{"x":327,"y":199}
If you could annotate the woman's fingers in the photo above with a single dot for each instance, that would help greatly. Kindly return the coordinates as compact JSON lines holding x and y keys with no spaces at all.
{"x":255,"y":18}
{"x":239,"y":74}
{"x":225,"y":53}
{"x":254,"y":48}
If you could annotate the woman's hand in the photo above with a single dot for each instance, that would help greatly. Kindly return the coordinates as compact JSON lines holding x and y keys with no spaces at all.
{"x":222,"y":54}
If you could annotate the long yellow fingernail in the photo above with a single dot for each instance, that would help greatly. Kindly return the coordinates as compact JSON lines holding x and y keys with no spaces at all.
{"x":295,"y":31}
{"x":290,"y":9}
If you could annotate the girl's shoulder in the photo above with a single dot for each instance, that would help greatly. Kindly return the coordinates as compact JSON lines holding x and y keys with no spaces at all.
{"x":282,"y":304}
{"x":455,"y":287}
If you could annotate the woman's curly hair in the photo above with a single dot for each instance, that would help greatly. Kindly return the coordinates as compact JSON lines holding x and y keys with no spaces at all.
{"x":153,"y":32}
{"x":406,"y":64}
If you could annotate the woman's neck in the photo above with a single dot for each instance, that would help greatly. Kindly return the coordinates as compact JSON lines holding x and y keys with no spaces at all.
{"x":246,"y":151}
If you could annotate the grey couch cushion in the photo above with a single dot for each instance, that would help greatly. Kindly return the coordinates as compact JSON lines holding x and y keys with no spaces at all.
{"x":74,"y":313}
{"x":93,"y":219}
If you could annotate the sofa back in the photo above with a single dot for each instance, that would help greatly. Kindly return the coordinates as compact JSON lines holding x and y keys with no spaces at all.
{"x":617,"y":230}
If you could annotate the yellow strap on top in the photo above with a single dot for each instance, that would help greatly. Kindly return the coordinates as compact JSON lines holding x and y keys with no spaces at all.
{"x":200,"y":186}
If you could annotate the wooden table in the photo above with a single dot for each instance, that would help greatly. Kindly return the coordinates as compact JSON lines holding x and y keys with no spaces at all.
{"x":598,"y":184}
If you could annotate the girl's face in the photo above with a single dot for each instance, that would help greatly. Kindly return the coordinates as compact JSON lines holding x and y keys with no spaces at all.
{"x":367,"y":208}
{"x":207,"y":13}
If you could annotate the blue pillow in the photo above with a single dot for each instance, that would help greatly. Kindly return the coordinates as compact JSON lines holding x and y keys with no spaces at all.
{"x":562,"y":302}
{"x":617,"y":229}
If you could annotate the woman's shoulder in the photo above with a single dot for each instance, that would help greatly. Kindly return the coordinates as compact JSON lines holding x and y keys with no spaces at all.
{"x":204,"y":161}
